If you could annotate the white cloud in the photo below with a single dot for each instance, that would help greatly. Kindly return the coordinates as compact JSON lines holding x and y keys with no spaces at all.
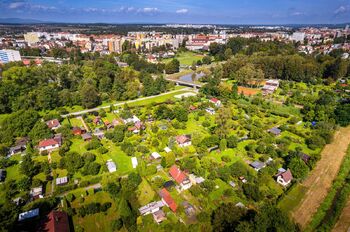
{"x":182,"y":11}
{"x":16,"y":5}
{"x":297,"y":13}
{"x":342,"y":9}
{"x":148,"y":10}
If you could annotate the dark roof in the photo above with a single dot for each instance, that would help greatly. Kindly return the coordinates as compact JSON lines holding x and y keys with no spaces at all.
{"x":304,"y":157}
{"x":275,"y":131}
{"x":287,"y":175}
{"x":169,"y":184}
{"x":257,"y":165}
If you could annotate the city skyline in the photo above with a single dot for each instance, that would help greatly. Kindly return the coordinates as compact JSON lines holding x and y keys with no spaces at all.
{"x":164,"y":11}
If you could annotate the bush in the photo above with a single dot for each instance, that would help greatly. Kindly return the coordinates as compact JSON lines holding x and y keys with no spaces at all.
{"x":94,"y":144}
{"x":102,"y":150}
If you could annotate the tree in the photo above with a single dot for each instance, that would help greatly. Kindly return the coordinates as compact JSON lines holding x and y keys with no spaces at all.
{"x":172,"y":67}
{"x":181,"y":114}
{"x":27,"y":166}
{"x":298,"y":168}
{"x":228,"y":53}
{"x":89,"y":96}
{"x":227,"y":217}
{"x":248,"y":73}
{"x":222,"y":119}
{"x":40,"y":131}
{"x":342,"y":114}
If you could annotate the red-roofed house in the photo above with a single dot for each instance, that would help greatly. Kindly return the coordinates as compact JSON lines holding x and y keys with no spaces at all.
{"x":216,"y":102}
{"x":77,"y":131}
{"x":53,"y":124}
{"x":48,"y":145}
{"x":284,"y":178}
{"x":57,"y":221}
{"x":180,"y":177}
{"x":183,"y":140}
{"x":167,"y":199}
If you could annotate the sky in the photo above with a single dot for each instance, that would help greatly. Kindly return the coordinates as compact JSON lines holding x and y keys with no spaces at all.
{"x":180,"y":11}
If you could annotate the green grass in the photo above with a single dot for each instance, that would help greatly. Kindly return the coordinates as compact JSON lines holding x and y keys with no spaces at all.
{"x":158,"y":99}
{"x":99,"y":221}
{"x":145,"y":193}
{"x":292,"y":198}
{"x":186,"y":58}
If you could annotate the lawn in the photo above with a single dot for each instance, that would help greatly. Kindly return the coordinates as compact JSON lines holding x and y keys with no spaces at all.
{"x":145,"y":192}
{"x":186,"y":58}
{"x":292,"y":198}
{"x":99,"y":221}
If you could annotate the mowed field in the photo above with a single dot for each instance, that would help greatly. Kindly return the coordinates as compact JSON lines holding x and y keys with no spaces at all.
{"x":343,"y":223}
{"x":248,"y":91}
{"x":317,"y":184}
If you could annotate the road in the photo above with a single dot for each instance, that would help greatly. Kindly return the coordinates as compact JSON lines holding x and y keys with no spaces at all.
{"x":321,"y":178}
{"x":84,"y":124}
{"x":94,"y":186}
{"x":122,"y":103}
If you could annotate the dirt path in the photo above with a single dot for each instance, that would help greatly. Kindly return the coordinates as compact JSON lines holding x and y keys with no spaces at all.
{"x":321,"y":178}
{"x":125,"y":102}
{"x":343,"y":223}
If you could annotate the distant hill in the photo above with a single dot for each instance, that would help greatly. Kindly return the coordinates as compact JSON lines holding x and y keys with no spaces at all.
{"x":20,"y":21}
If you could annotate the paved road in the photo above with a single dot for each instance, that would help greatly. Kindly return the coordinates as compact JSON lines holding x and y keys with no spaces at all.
{"x":122,"y":103}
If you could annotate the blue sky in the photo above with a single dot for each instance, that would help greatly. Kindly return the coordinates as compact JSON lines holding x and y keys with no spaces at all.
{"x":180,"y":11}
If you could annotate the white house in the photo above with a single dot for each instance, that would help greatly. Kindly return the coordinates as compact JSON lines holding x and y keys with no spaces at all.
{"x":151,"y":208}
{"x":48,"y":145}
{"x":167,"y":149}
{"x":155,"y":155}
{"x":216,"y":102}
{"x":284,"y":177}
{"x":183,"y":140}
{"x":134,"y":162}
{"x":210,"y":111}
{"x":111,"y":166}
{"x":62,"y":180}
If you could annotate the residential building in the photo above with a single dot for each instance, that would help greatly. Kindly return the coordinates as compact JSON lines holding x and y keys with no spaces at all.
{"x":168,"y":200}
{"x":151,"y":208}
{"x":180,"y":177}
{"x":183,"y":140}
{"x":56,"y":221}
{"x":48,"y":145}
{"x":53,"y":124}
{"x":159,"y":216}
{"x":155,"y":155}
{"x":31,"y":38}
{"x":134,"y":162}
{"x":275,"y":131}
{"x":284,"y":177}
{"x":61,"y":180}
{"x":7,"y":56}
{"x":28,"y":214}
{"x":257,"y":165}
{"x":215,"y":101}
{"x":111,"y":166}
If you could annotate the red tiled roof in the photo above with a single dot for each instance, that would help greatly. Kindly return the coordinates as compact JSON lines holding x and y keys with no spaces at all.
{"x":57,"y":222}
{"x":177,"y":174}
{"x":47,"y":142}
{"x":168,"y":199}
{"x":182,"y":139}
{"x":53,"y":123}
{"x":215,"y":100}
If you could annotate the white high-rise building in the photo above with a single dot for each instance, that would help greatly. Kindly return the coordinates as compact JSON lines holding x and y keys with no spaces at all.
{"x":9,"y":56}
{"x":298,"y":36}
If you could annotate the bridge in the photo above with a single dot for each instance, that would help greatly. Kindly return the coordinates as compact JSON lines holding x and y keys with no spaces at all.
{"x":185,"y":83}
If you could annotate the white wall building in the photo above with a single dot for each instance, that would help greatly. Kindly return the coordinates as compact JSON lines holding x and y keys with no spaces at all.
{"x":7,"y":56}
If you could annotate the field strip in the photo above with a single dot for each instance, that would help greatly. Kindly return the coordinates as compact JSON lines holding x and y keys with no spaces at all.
{"x":343,"y":223}
{"x":321,"y":178}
